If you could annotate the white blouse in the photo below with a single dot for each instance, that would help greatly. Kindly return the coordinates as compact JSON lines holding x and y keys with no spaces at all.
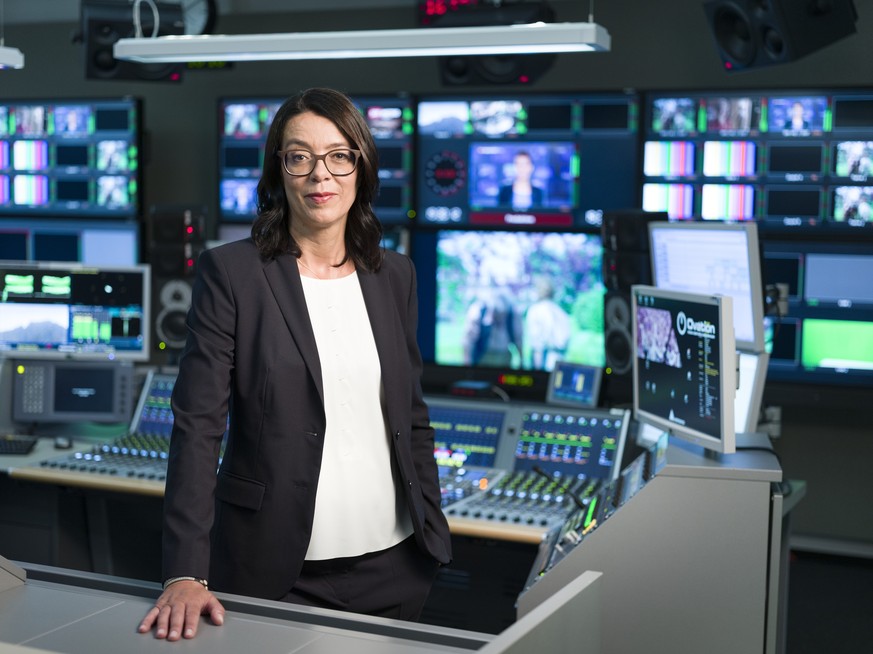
{"x":358,"y":506}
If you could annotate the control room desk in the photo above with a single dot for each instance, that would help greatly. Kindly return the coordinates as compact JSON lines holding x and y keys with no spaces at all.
{"x":695,"y":561}
{"x":80,"y":613}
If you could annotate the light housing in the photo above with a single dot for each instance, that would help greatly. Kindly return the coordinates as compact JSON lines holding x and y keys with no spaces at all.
{"x":11,"y":57}
{"x":532,"y":38}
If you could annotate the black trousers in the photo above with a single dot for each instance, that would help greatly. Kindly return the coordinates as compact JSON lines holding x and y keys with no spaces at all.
{"x":392,"y":583}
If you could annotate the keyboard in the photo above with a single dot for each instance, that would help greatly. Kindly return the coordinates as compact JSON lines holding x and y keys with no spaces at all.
{"x":16,"y":444}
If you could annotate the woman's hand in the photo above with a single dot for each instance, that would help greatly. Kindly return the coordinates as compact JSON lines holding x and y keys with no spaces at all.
{"x":176,"y":613}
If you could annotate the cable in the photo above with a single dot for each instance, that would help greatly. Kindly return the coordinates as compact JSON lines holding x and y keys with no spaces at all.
{"x":137,"y":17}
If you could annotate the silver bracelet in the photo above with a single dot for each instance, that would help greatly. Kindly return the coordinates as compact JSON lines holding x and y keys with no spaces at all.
{"x":173,"y":580}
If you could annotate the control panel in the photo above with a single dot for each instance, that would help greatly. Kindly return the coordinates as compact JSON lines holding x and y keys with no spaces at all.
{"x":518,"y":471}
{"x":141,"y":454}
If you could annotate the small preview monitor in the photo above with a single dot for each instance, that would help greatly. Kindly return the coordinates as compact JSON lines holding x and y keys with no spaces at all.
{"x":67,"y":391}
{"x":574,"y":385}
{"x":684,"y":371}
{"x":714,"y":258}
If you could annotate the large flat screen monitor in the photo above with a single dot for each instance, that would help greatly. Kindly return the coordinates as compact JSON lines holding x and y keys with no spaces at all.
{"x":684,"y":372}
{"x":243,"y":126}
{"x":71,"y":158}
{"x":509,"y":301}
{"x":714,"y":258}
{"x":74,"y":311}
{"x":525,"y":160}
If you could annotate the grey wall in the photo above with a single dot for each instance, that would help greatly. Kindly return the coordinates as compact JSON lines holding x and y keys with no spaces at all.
{"x":662,"y":44}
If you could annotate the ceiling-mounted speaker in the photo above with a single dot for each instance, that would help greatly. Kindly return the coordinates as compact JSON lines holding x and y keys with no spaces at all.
{"x":106,"y":21}
{"x":464,"y":70}
{"x":755,"y":33}
{"x":494,"y":69}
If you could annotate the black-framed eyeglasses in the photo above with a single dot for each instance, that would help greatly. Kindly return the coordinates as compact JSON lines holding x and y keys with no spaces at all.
{"x":340,"y":162}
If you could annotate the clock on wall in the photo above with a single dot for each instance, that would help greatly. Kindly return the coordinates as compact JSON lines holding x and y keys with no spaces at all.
{"x":199,"y":16}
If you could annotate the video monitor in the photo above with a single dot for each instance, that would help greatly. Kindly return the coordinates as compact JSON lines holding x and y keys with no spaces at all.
{"x":853,"y":205}
{"x":714,"y":258}
{"x":674,"y":116}
{"x":574,"y":385}
{"x":72,"y":391}
{"x":675,"y":199}
{"x":823,"y":335}
{"x":529,"y":160}
{"x":577,"y":444}
{"x":854,"y":159}
{"x":799,"y":114}
{"x":509,"y":301}
{"x":466,"y":433}
{"x":77,"y":158}
{"x":53,"y":310}
{"x":95,"y":242}
{"x":732,"y":115}
{"x":684,"y":371}
{"x":243,"y":127}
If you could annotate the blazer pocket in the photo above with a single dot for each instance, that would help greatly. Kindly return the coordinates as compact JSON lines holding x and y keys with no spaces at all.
{"x":242,"y":492}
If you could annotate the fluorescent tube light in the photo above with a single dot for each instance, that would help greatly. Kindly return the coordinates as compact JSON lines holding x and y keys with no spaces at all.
{"x":11,"y":57}
{"x":532,"y":38}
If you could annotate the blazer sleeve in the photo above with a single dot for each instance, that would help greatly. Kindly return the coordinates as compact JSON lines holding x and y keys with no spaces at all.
{"x":200,"y":407}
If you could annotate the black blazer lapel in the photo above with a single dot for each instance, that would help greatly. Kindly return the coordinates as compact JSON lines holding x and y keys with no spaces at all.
{"x":284,"y":280}
{"x":389,"y":341}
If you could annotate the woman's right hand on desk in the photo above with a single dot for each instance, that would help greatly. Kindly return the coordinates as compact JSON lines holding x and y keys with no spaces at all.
{"x":177,"y":611}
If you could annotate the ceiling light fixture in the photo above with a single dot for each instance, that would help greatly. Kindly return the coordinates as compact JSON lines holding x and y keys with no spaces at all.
{"x":10,"y":57}
{"x":532,"y":38}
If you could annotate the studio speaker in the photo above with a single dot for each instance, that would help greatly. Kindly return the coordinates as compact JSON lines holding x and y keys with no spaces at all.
{"x":483,"y":70}
{"x":754,"y":33}
{"x":106,"y":21}
{"x":626,"y":261}
{"x":493,"y":69}
{"x":176,"y":236}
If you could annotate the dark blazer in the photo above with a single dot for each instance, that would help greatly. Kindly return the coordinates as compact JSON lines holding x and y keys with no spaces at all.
{"x":504,"y":196}
{"x":251,"y":347}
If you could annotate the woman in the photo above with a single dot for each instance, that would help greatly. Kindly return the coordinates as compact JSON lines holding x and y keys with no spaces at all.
{"x":327,"y":493}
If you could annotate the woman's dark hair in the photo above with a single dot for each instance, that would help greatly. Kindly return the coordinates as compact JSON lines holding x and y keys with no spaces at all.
{"x":271,"y":231}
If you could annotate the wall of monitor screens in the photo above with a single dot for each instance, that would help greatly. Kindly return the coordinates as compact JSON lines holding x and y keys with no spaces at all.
{"x":826,"y":335}
{"x":243,"y":124}
{"x":74,"y":158}
{"x":513,"y":178}
{"x":795,"y":161}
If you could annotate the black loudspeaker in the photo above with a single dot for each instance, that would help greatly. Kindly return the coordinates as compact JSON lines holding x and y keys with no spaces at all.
{"x":626,"y":261}
{"x":754,"y":33}
{"x":176,"y":236}
{"x":106,"y":21}
{"x":494,"y":69}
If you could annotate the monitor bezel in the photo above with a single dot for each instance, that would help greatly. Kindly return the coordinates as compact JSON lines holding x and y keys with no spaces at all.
{"x":754,"y":264}
{"x":725,"y":441}
{"x":752,"y":386}
{"x":138,"y":356}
